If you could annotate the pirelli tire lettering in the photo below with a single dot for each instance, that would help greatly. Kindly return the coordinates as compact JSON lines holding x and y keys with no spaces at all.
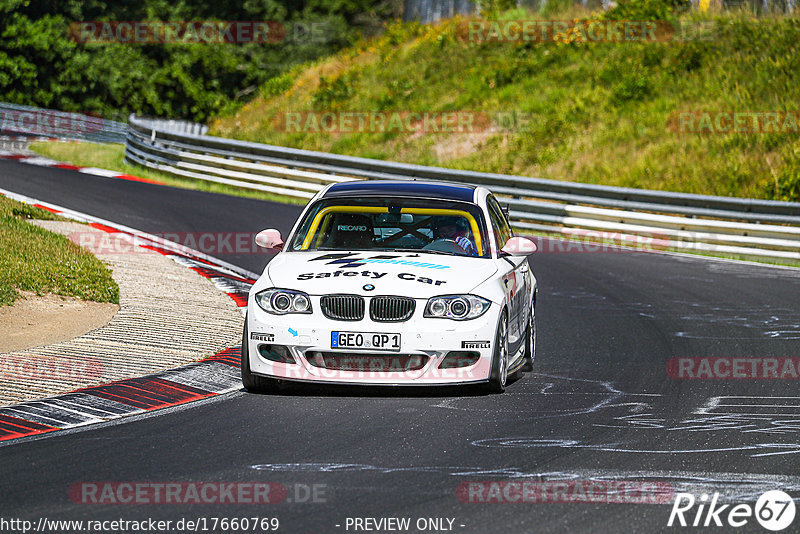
{"x":475,"y":344}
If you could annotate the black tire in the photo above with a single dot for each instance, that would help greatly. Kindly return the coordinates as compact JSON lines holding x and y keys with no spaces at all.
{"x":530,"y":341}
{"x":499,"y":377}
{"x":251,"y":382}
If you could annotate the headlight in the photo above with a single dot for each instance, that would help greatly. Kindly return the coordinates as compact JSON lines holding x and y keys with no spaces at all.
{"x":283,"y":301}
{"x":457,"y":307}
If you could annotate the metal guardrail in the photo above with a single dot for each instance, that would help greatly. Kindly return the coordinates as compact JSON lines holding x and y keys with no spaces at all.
{"x":177,"y":126}
{"x":428,"y":11}
{"x":726,"y":225}
{"x":32,"y":122}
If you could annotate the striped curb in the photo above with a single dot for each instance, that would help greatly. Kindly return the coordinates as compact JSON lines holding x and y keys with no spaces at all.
{"x":213,"y":376}
{"x":27,"y":139}
{"x":206,"y":378}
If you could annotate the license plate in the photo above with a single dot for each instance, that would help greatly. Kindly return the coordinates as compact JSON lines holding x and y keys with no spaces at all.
{"x":365,"y":340}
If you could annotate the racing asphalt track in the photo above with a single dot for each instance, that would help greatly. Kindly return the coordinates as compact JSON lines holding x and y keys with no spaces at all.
{"x":600,"y":404}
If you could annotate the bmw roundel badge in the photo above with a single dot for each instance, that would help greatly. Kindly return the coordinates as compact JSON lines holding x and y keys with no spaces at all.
{"x":368,"y":287}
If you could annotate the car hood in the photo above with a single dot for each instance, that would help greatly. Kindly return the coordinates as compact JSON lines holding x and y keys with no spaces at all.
{"x":417,"y":275}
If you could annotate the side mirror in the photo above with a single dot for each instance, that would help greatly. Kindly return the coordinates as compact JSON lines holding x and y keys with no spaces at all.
{"x":519,"y":246}
{"x":270,"y":239}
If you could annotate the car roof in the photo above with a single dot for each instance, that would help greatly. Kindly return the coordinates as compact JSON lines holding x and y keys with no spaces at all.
{"x":403,"y":188}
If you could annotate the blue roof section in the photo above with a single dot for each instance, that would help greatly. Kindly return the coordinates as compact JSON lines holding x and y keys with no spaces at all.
{"x":402,"y":188}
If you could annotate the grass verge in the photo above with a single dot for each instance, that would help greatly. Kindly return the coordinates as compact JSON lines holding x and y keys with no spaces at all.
{"x":112,"y":157}
{"x":33,"y":259}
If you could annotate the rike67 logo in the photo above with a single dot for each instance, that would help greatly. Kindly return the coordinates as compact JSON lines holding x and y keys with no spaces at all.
{"x":774,"y":510}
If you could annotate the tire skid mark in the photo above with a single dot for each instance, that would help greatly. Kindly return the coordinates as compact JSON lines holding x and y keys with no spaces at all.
{"x":754,"y":424}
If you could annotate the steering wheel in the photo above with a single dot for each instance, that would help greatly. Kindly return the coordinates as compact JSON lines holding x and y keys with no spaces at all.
{"x":445,"y":245}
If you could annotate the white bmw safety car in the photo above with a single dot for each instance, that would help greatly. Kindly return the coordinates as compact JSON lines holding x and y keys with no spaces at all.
{"x":393,"y":283}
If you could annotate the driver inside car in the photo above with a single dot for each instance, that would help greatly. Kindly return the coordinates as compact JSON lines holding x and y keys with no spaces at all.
{"x":455,"y":229}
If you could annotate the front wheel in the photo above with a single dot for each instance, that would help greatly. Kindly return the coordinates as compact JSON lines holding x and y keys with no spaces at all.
{"x":499,"y":376}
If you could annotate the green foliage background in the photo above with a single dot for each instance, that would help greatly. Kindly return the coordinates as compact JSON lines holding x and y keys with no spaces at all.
{"x":41,"y":66}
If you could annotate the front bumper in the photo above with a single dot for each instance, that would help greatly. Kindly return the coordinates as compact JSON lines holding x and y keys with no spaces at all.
{"x":307,"y":335}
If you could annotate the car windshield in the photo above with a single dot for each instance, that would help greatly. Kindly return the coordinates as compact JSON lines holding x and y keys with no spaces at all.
{"x":408,"y":224}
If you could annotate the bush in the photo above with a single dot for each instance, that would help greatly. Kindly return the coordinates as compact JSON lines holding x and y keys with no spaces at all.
{"x":278,"y":85}
{"x":647,"y":9}
{"x":332,"y":92}
{"x":633,"y":86}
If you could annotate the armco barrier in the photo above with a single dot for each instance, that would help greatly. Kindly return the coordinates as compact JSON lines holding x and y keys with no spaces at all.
{"x":31,"y":122}
{"x":749,"y":227}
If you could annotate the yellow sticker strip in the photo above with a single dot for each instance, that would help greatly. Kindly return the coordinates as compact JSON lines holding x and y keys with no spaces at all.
{"x":375,"y":209}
